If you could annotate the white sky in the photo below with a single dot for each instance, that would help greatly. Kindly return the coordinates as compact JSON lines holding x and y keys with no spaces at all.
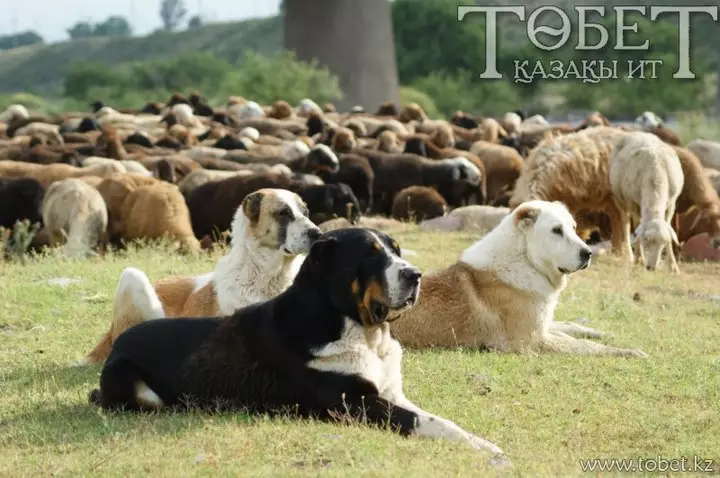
{"x":50,"y":18}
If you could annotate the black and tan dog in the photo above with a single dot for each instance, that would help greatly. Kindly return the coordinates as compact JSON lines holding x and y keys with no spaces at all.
{"x":320,"y":349}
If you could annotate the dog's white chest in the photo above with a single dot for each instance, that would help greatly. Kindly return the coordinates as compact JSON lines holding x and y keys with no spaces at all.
{"x":371,"y":354}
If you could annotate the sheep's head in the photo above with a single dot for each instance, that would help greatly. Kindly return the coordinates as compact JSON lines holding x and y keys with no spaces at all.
{"x":654,"y":235}
{"x":443,"y":136}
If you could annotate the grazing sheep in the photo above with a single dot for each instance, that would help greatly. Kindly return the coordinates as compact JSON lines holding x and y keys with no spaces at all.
{"x":20,"y":198}
{"x":480,"y":218}
{"x":202,"y":176}
{"x":14,"y":112}
{"x":648,"y":120}
{"x":355,"y":171}
{"x":418,"y":203}
{"x":395,"y":172}
{"x":707,"y":151}
{"x":74,"y":212}
{"x":328,"y":201}
{"x":473,"y":218}
{"x":646,"y":179}
{"x":503,"y":166}
{"x":170,"y":217}
{"x":213,"y":204}
{"x":698,"y":199}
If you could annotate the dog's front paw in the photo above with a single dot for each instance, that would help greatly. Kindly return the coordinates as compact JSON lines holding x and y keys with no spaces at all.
{"x":635,"y":353}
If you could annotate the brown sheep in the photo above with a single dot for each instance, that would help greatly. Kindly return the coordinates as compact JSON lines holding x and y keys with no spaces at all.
{"x":418,"y":203}
{"x":170,"y":217}
{"x":280,"y":109}
{"x":343,"y":141}
{"x":699,"y":199}
{"x":412,"y":112}
{"x":503,"y":166}
{"x":114,"y":191}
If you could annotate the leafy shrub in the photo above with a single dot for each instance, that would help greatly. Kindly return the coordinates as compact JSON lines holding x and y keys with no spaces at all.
{"x":267,"y":79}
{"x":452,"y":92}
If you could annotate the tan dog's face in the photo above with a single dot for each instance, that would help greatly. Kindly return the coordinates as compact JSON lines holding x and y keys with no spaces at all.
{"x":278,"y":219}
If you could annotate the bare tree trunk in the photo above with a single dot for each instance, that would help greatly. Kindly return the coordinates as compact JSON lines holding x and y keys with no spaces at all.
{"x":353,"y":39}
{"x":717,"y":93}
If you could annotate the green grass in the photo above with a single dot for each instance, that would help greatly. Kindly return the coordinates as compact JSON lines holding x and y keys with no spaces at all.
{"x":546,"y":412}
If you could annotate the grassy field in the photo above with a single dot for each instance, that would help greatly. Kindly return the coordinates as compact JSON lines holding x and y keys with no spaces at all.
{"x":546,"y":412}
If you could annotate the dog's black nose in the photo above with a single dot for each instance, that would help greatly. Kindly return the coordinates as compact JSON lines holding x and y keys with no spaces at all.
{"x":314,"y":234}
{"x":585,"y":255}
{"x":410,"y":274}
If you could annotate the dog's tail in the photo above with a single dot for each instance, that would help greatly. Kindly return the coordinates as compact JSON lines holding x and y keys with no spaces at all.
{"x":135,"y":302}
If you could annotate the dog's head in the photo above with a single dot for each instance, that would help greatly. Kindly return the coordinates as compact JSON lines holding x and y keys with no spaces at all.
{"x":275,"y":219}
{"x":552,"y":243}
{"x":363,"y":274}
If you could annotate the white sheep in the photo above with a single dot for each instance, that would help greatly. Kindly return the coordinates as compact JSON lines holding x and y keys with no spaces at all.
{"x":50,"y":131}
{"x":248,"y":110}
{"x":14,"y":112}
{"x":646,"y":179}
{"x":648,"y":121}
{"x":75,"y":212}
{"x":708,"y":152}
{"x":249,"y":133}
{"x":306,"y":107}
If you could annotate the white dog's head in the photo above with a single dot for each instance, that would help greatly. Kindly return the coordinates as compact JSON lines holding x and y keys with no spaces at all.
{"x":552,"y":245}
{"x":654,"y":236}
{"x":275,"y":219}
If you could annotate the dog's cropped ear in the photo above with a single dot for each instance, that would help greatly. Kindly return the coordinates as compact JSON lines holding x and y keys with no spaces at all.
{"x":251,"y":206}
{"x":525,"y":217}
{"x":322,"y":249}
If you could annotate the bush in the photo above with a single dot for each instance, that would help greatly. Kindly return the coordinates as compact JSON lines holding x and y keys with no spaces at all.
{"x":31,"y":102}
{"x":452,"y":92}
{"x":262,"y":79}
{"x":267,"y":79}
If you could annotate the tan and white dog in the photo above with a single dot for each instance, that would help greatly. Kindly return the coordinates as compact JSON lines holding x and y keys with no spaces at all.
{"x":502,"y":293}
{"x":271,"y":233}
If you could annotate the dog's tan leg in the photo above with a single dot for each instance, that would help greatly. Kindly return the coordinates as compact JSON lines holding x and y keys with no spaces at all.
{"x":576,"y":330}
{"x":560,"y":343}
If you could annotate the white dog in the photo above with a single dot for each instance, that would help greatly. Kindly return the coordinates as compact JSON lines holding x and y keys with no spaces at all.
{"x":271,"y":232}
{"x":503,"y":291}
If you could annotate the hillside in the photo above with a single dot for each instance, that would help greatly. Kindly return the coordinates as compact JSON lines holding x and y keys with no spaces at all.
{"x":40,"y":68}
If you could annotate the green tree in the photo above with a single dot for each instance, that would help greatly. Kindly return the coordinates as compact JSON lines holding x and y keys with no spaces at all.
{"x":172,"y":13}
{"x":83,"y":76}
{"x":80,"y":30}
{"x":113,"y":26}
{"x":8,"y":42}
{"x":195,"y":22}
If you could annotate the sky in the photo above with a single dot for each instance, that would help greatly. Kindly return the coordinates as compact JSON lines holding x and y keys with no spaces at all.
{"x":58,"y":15}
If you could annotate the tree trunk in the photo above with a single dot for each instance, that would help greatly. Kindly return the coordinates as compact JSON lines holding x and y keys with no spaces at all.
{"x":354,"y":40}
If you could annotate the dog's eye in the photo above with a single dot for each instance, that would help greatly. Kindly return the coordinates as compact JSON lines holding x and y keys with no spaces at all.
{"x":286,"y":213}
{"x":557,"y":230}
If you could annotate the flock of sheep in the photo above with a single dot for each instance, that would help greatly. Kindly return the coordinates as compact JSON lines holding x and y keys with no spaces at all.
{"x":180,"y":170}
